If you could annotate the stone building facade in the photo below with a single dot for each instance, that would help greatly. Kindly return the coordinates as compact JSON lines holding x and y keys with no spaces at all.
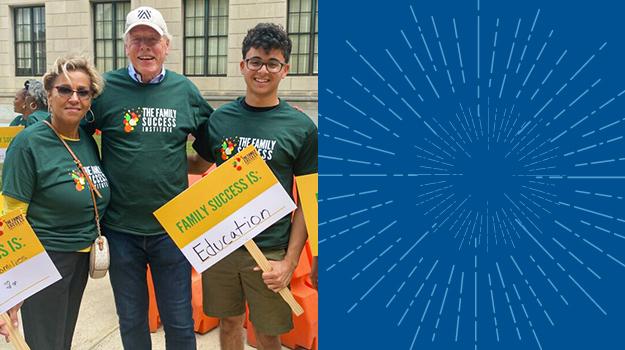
{"x":200,"y":28}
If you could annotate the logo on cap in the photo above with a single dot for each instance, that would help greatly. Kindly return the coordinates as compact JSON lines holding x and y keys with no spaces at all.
{"x":144,"y":14}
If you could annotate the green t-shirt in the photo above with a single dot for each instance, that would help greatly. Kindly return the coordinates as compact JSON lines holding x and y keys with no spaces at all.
{"x":144,"y":134}
{"x":32,"y":118}
{"x":285,"y":138}
{"x":19,"y":120}
{"x":39,"y":170}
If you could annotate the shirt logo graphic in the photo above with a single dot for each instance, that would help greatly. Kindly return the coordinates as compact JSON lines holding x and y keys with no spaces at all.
{"x":227,"y":148}
{"x":79,"y":179}
{"x":131,"y":119}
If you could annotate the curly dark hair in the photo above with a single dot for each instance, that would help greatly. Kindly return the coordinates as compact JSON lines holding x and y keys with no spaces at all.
{"x":268,"y":36}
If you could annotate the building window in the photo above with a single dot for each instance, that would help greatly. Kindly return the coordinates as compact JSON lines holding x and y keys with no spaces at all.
{"x":304,"y":32}
{"x":109,"y":20}
{"x":205,"y":37}
{"x":30,"y":41}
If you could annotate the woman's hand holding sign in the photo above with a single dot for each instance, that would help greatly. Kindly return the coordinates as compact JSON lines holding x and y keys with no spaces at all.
{"x":13,"y":316}
{"x":9,"y":327}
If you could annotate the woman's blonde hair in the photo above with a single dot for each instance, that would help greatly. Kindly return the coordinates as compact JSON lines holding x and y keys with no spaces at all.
{"x":70,"y":63}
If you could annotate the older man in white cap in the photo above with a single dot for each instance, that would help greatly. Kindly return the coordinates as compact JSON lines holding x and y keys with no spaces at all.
{"x":145,"y":114}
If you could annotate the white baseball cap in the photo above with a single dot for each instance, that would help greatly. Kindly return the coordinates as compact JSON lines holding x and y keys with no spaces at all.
{"x":146,"y":16}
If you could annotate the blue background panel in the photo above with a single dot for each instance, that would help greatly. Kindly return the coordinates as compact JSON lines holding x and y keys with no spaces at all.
{"x":472,"y":175}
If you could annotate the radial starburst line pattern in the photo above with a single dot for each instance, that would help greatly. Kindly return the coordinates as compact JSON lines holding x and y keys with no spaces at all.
{"x":474,"y":164}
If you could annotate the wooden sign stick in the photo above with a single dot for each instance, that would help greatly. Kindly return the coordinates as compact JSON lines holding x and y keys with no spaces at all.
{"x":264,"y":265}
{"x":16,"y":338}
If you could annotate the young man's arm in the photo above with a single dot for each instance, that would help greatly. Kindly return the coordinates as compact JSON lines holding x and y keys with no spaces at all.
{"x":280,"y":275}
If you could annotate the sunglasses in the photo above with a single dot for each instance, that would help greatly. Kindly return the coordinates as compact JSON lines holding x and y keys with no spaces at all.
{"x":67,"y":92}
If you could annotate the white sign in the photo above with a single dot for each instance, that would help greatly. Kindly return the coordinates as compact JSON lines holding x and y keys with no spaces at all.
{"x":25,"y":267}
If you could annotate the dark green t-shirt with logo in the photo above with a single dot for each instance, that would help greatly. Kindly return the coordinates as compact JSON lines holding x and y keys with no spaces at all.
{"x":39,"y":170}
{"x":32,"y":118}
{"x":285,"y":138}
{"x":144,"y":134}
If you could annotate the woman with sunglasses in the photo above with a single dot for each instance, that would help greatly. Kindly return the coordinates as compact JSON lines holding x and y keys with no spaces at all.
{"x":41,"y":177}
{"x":31,"y":102}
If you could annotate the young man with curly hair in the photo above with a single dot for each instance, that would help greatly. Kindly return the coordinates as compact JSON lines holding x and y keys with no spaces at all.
{"x":287,"y":140}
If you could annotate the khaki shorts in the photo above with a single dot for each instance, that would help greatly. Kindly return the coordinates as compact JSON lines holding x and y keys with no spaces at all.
{"x":229,"y":283}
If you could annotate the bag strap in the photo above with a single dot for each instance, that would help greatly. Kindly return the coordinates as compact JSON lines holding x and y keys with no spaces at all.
{"x":94,"y":191}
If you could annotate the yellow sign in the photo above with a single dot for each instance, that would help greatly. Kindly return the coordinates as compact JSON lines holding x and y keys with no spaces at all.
{"x":18,"y":242}
{"x":225,"y":209}
{"x":25,"y":267}
{"x":308,"y":189}
{"x":7,"y":134}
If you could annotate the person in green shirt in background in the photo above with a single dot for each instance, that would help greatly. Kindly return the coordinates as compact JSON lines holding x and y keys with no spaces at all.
{"x":286,"y":139}
{"x":41,"y":178}
{"x":19,"y":105}
{"x":31,"y":102}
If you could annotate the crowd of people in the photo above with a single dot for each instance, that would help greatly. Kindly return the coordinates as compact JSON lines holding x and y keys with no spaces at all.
{"x":145,"y":113}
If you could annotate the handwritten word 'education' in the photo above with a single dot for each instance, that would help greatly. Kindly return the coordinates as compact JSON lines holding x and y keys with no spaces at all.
{"x":209,"y":248}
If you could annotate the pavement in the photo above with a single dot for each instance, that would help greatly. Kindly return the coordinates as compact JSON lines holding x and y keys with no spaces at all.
{"x":97,"y":327}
